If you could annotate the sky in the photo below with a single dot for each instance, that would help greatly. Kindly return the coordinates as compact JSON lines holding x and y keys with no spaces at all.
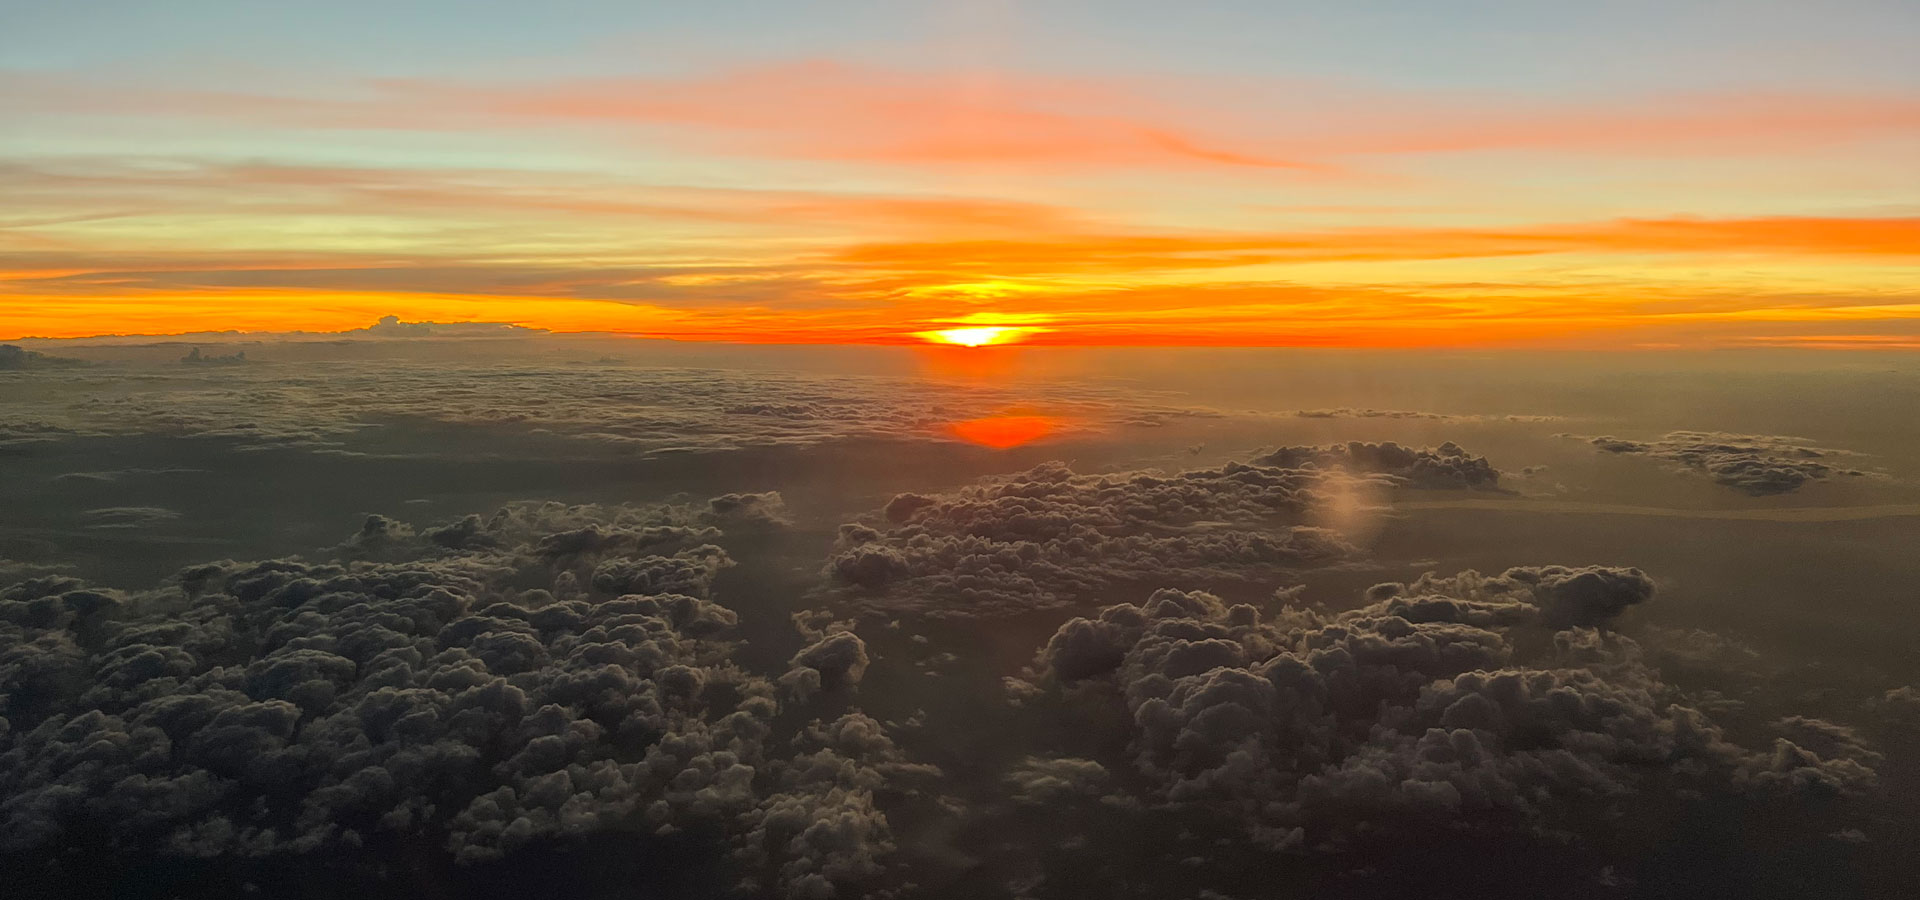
{"x":1618,"y":175}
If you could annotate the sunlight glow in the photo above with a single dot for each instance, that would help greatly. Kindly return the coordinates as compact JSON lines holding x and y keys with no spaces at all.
{"x":979,"y":336}
{"x":1003,"y":432}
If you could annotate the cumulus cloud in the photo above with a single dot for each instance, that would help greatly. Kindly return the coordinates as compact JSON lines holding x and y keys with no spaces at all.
{"x":1899,"y":709}
{"x":1755,"y":464}
{"x":1501,"y":704}
{"x":834,"y":661}
{"x":1044,"y":782}
{"x":491,"y":684}
{"x":1446,"y":466}
{"x":1051,"y":537}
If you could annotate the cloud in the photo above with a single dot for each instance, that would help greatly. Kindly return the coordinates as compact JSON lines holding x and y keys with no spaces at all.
{"x":129,"y":186}
{"x":1501,"y":705}
{"x":1043,"y":782}
{"x":643,"y":411}
{"x":811,"y":110}
{"x":1347,"y":412}
{"x":13,"y":358}
{"x":1086,"y":253}
{"x":493,"y":685}
{"x":1050,"y":537}
{"x":1447,"y":466}
{"x":1755,"y":464}
{"x":835,"y":661}
{"x":927,"y":117}
{"x":392,"y":327}
{"x":128,"y":517}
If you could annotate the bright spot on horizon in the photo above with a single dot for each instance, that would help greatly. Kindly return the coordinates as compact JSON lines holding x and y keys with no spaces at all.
{"x":976,"y":336}
{"x":980,"y":334}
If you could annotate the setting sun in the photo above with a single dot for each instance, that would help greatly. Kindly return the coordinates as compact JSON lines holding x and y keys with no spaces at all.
{"x":975,"y":337}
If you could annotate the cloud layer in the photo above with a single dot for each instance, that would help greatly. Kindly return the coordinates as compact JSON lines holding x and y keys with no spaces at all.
{"x":1051,"y":537}
{"x":548,"y":673}
{"x":1503,"y":706}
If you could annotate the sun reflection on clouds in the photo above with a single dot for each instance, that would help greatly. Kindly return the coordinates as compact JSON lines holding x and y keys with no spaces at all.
{"x":1353,"y":506}
{"x":1006,"y":431}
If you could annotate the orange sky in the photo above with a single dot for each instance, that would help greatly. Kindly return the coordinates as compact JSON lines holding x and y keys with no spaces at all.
{"x":851,"y":194}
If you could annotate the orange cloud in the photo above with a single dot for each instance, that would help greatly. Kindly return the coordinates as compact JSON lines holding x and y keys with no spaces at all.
{"x":136,"y":187}
{"x":1123,"y":252}
{"x":1082,"y":287}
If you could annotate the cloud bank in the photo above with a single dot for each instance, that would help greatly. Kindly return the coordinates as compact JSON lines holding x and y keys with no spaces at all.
{"x":1504,"y":707}
{"x":1051,"y":537}
{"x":1755,"y":464}
{"x":493,"y":685}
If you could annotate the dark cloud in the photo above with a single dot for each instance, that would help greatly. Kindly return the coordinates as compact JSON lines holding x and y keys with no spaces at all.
{"x":1504,"y":705}
{"x":1899,"y":709}
{"x":115,"y":476}
{"x":1446,"y":466}
{"x":128,"y":516}
{"x":392,"y":327}
{"x":1052,"y":537}
{"x":196,"y":358}
{"x":15,"y":358}
{"x":1752,"y":463}
{"x":1045,"y":782}
{"x":491,"y":684}
{"x":832,"y":662}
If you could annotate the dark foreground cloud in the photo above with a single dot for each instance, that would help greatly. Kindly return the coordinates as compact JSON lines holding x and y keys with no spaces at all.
{"x":1755,"y":464}
{"x":1051,"y":537}
{"x":1500,"y":706}
{"x":491,"y":685}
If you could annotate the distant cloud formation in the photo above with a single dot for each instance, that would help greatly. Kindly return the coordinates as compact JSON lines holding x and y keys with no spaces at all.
{"x":14,"y":358}
{"x":1348,"y":412}
{"x":391,"y":327}
{"x":1443,"y":467}
{"x":1051,"y":537}
{"x":1754,"y":464}
{"x":644,"y":411}
{"x":127,"y":516}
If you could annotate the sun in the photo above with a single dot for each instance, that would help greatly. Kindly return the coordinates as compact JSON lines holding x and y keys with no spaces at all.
{"x":977,"y":336}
